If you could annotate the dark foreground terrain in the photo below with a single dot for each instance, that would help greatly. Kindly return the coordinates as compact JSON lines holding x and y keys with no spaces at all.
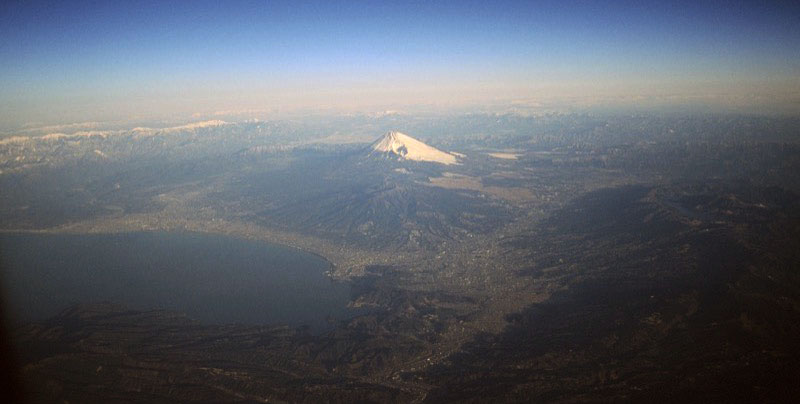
{"x":677,"y":293}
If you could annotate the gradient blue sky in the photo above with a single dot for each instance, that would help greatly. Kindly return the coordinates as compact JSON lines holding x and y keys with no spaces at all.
{"x":73,"y":61}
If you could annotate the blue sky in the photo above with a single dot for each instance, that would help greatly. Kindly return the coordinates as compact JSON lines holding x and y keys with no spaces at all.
{"x":108,"y":60}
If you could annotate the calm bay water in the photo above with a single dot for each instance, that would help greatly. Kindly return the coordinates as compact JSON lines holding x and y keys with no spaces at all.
{"x":214,"y":279}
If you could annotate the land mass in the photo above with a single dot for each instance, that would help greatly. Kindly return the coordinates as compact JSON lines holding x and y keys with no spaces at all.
{"x":591,"y":266}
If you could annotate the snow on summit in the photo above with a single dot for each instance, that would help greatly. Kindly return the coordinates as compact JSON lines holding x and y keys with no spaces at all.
{"x":408,"y":148}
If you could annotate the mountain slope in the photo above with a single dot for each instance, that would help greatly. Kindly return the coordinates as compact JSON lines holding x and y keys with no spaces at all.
{"x":407,"y":148}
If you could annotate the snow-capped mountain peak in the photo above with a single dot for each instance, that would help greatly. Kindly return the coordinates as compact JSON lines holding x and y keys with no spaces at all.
{"x":407,"y":148}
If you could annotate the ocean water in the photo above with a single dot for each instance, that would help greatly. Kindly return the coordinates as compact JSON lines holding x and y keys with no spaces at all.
{"x":213,"y":279}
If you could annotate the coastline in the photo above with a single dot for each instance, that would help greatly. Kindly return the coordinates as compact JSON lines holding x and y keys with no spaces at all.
{"x":343,"y":262}
{"x":328,"y":272}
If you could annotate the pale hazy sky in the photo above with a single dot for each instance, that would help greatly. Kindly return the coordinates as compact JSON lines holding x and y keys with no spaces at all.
{"x":77,"y":61}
